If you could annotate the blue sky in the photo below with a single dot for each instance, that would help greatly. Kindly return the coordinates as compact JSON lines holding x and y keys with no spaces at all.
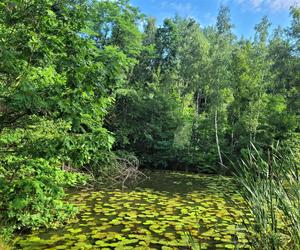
{"x":245,"y":13}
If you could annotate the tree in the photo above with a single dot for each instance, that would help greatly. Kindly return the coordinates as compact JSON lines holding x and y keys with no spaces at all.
{"x":217,"y":75}
{"x":56,"y":87}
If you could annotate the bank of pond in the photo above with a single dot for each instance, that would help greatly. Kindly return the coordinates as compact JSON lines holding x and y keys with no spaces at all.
{"x":170,"y":210}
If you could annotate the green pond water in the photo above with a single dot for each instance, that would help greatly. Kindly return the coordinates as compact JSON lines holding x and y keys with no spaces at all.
{"x":162,"y":213}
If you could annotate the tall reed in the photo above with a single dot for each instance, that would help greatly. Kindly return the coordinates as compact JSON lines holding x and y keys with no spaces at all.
{"x":269,"y":183}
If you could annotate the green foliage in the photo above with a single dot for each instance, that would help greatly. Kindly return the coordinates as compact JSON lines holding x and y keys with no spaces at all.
{"x":152,"y":138}
{"x":32,"y":177}
{"x":230,"y":92}
{"x":80,"y":82}
{"x":115,"y":24}
{"x":56,"y":87}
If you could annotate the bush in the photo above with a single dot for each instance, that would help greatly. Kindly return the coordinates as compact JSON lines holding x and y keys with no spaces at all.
{"x":32,"y":178}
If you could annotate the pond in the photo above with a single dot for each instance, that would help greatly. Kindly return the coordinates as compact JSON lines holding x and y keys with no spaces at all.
{"x":164,"y":212}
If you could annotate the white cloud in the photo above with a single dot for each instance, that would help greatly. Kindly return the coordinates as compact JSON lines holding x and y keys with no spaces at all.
{"x":274,"y":5}
{"x":283,"y":4}
{"x":257,"y":3}
{"x":179,"y":7}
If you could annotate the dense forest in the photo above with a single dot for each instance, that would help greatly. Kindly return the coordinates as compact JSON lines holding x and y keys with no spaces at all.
{"x":88,"y":85}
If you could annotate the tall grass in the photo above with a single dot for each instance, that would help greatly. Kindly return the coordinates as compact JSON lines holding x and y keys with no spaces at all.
{"x":269,"y":183}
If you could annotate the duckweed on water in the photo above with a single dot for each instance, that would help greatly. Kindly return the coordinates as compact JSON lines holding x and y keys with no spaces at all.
{"x":151,"y":218}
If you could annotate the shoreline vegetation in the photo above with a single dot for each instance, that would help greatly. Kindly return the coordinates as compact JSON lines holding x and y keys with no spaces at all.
{"x":270,"y":188}
{"x":92,"y":93}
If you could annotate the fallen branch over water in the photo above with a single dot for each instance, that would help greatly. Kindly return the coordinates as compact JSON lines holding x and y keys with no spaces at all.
{"x":123,"y":172}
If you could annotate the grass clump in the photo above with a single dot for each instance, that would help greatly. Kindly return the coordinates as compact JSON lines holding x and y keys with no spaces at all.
{"x":269,"y":183}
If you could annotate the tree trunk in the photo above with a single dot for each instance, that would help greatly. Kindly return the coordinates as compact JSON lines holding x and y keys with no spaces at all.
{"x":217,"y":138}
